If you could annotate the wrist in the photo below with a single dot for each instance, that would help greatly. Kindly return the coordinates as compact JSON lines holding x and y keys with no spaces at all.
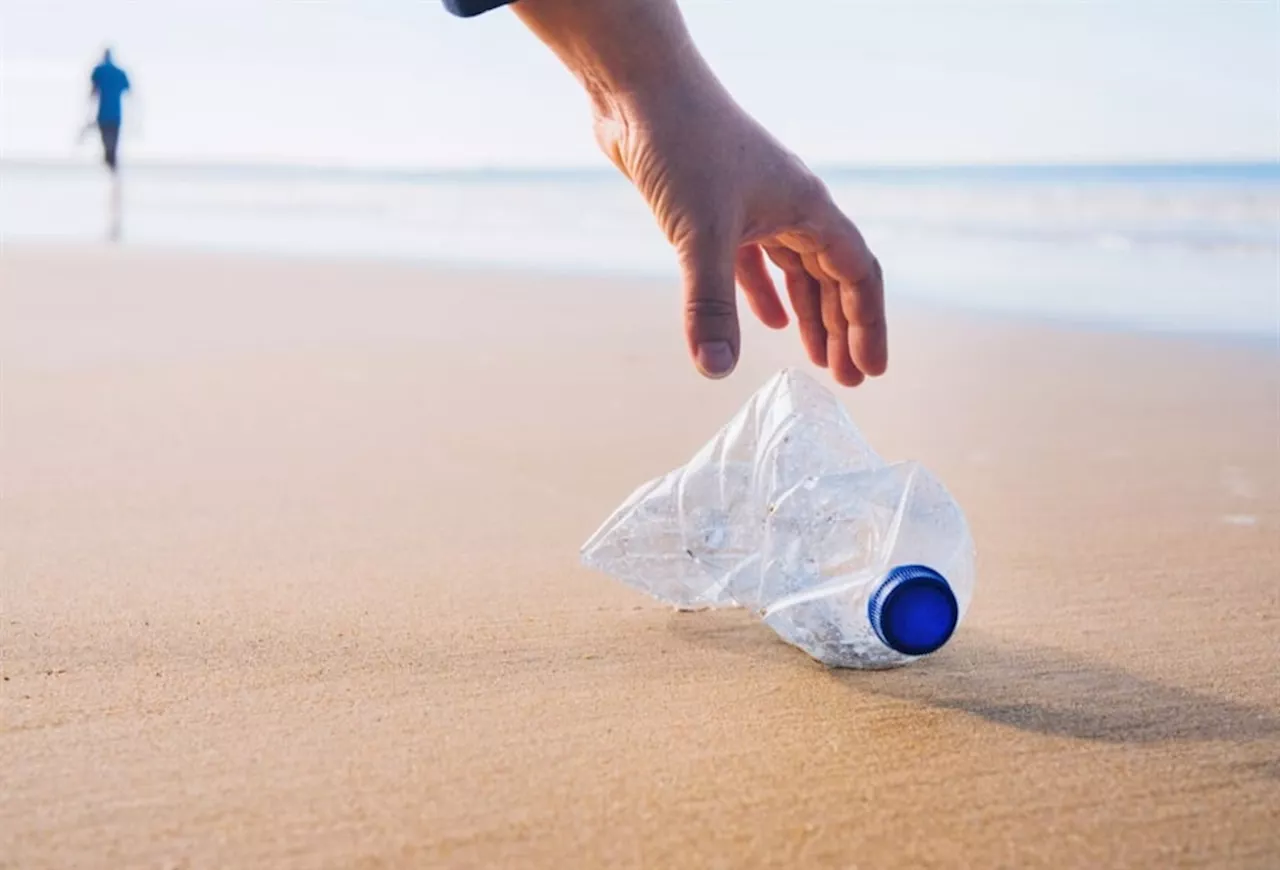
{"x":627,"y":54}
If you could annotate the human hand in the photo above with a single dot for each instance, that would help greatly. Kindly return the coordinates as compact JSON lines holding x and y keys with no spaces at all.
{"x":726,"y":194}
{"x":723,"y":190}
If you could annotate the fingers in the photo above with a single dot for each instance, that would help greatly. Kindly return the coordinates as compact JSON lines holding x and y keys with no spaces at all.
{"x":707,"y":260}
{"x":844,"y":256}
{"x":757,"y":284}
{"x":839,"y":360}
{"x":806,"y":301}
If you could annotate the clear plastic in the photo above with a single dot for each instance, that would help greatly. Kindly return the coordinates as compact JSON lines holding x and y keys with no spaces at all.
{"x":789,"y":513}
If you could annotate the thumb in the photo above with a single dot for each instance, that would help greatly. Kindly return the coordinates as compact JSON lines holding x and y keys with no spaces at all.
{"x":710,"y":302}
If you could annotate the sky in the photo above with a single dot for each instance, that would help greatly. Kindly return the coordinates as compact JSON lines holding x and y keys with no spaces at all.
{"x":400,"y":83}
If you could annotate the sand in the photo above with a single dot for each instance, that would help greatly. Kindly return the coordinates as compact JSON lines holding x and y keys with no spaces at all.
{"x":290,"y":579}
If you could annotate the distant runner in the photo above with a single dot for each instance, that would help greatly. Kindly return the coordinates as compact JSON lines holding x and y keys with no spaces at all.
{"x":109,"y":85}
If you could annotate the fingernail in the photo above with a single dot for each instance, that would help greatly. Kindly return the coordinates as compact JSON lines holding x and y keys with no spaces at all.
{"x":715,"y":358}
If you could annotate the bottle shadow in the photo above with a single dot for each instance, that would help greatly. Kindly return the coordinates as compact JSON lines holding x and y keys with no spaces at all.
{"x":1033,"y":688}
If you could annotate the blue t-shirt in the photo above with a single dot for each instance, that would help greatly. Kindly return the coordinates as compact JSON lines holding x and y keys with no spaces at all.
{"x":111,"y":83}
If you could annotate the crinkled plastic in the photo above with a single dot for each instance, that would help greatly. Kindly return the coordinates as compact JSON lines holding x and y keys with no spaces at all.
{"x":789,"y":513}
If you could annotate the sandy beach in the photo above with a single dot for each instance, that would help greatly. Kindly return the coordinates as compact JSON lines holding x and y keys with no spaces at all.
{"x":290,"y":579}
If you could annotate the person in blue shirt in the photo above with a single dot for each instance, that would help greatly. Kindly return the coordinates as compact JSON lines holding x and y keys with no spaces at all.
{"x":725,"y":192}
{"x":109,"y":84}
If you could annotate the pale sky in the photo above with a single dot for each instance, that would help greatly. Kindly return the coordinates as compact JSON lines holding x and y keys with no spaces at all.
{"x":401,"y":83}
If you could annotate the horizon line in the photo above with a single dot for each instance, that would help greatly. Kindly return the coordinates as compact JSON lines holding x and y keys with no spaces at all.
{"x":426,"y":170}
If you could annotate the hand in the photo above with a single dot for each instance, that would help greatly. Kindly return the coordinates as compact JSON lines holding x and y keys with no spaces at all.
{"x":726,"y":194}
{"x":723,"y":190}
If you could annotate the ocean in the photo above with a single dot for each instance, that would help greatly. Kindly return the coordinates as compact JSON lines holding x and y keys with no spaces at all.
{"x":1186,"y":248}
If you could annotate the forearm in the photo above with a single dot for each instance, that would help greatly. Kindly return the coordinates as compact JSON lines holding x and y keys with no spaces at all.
{"x":621,"y":50}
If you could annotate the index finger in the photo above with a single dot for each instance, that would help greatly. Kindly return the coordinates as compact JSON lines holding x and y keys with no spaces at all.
{"x":844,"y":256}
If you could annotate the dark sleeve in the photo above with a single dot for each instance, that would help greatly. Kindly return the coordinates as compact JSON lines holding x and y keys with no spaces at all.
{"x":468,"y":8}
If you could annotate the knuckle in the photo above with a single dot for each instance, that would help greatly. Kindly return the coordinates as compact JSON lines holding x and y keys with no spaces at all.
{"x":710,"y":308}
{"x":863,"y":310}
{"x":698,"y":237}
{"x":812,"y":194}
{"x":869,"y":287}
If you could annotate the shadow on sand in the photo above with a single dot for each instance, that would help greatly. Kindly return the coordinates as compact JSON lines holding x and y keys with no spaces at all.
{"x":1030,"y":687}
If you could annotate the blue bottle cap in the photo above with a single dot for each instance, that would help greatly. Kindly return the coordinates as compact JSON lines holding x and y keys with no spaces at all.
{"x":914,"y":610}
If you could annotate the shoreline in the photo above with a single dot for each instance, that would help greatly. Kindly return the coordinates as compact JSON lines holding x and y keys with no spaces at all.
{"x":1264,"y":339}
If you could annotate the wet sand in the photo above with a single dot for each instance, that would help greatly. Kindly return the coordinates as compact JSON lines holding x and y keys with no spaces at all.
{"x":290,"y":579}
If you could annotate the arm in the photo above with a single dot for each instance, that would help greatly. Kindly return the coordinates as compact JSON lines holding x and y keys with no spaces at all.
{"x":725,"y":193}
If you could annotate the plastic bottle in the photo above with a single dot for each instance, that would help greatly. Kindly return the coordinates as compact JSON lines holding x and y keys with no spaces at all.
{"x":788,"y":512}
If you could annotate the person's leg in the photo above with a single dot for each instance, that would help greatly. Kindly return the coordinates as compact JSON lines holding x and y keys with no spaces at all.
{"x":110,"y":140}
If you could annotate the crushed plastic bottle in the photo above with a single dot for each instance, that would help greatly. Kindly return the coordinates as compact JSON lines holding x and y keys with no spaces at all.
{"x":787,"y":512}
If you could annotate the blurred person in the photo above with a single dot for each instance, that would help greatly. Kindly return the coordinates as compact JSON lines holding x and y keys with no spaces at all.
{"x":108,"y":86}
{"x":724,"y":191}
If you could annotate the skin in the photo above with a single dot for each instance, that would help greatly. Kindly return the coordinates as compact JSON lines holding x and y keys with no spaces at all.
{"x":724,"y":191}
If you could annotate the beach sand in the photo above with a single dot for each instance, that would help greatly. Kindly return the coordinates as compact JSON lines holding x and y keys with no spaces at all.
{"x":290,"y":578}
